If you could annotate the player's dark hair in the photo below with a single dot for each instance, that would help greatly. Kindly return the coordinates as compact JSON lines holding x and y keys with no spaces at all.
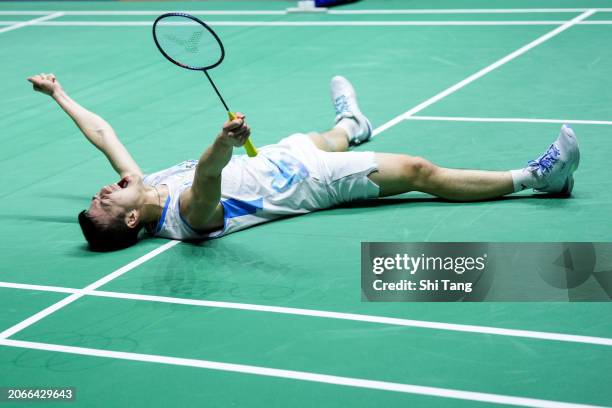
{"x":107,"y":237}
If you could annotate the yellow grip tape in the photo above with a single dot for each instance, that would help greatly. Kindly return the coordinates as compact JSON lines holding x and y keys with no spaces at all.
{"x":248,"y":145}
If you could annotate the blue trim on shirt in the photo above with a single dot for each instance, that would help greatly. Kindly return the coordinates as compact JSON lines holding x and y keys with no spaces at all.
{"x":236,"y":208}
{"x":160,"y":223}
{"x":231,"y":208}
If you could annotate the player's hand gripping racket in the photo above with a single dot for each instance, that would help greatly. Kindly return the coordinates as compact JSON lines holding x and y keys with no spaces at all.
{"x":188,"y":42}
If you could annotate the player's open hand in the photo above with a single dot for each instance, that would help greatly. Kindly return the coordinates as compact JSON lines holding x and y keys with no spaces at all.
{"x":235,"y":132}
{"x":45,"y":83}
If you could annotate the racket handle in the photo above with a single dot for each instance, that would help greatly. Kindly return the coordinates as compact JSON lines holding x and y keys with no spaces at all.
{"x":250,"y":149}
{"x":248,"y":145}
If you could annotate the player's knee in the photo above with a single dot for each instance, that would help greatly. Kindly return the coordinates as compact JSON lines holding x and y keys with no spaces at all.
{"x":417,"y":170}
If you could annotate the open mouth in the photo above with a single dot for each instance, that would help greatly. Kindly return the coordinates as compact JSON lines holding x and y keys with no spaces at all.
{"x":123,"y":183}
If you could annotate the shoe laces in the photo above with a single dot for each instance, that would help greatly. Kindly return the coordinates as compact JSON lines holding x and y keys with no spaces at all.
{"x":547,"y":160}
{"x":341,"y":105}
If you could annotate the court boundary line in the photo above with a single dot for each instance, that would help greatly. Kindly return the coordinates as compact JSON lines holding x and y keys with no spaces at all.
{"x":484,"y":71}
{"x":470,"y":11}
{"x":490,"y":23}
{"x":19,"y":24}
{"x":299,"y":375}
{"x":284,"y":11}
{"x":146,"y":12}
{"x":464,"y":23}
{"x":392,"y":321}
{"x":69,"y":299}
{"x":509,"y":120}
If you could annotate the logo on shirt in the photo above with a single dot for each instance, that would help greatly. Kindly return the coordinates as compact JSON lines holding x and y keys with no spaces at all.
{"x":287,"y":172}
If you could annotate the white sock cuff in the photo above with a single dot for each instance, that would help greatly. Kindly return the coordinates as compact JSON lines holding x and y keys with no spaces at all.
{"x":350,"y":126}
{"x":522,"y":179}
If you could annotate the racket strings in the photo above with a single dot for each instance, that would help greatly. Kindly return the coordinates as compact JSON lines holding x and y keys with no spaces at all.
{"x":187,"y":43}
{"x":194,"y":42}
{"x":192,"y":45}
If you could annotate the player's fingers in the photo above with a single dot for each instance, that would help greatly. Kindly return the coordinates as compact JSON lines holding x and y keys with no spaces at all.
{"x":246,"y":131}
{"x":239,"y":134}
{"x":242,"y":131}
{"x":242,"y":139}
{"x":233,"y":124}
{"x":245,"y":137}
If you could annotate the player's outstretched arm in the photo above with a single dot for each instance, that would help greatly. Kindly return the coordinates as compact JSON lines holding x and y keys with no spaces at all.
{"x":201,"y":200}
{"x":95,"y":129}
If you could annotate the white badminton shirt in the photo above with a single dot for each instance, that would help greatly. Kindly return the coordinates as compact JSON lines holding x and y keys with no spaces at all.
{"x":253,"y":191}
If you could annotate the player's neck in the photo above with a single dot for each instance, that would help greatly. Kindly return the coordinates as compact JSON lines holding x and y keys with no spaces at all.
{"x":153,"y":205}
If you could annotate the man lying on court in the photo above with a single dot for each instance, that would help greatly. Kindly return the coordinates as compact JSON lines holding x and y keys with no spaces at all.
{"x":220,"y":193}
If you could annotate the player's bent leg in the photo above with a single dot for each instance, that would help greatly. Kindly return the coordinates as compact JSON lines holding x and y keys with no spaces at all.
{"x":398,"y":173}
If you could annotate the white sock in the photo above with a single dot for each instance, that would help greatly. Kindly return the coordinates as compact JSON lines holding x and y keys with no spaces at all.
{"x":350,"y":126}
{"x":523,"y":179}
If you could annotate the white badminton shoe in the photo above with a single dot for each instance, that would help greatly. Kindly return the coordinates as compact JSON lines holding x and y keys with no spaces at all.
{"x":554,"y":170}
{"x":344,"y":99}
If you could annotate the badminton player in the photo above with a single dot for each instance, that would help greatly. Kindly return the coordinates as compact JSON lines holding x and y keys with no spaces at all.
{"x":223,"y":192}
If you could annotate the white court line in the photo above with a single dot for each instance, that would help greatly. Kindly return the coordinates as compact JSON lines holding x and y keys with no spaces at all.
{"x":299,"y":375}
{"x":77,"y":295}
{"x":299,"y":23}
{"x":44,"y":288}
{"x":596,"y":22}
{"x":393,"y":321}
{"x":482,"y":72}
{"x":510,"y":120}
{"x":315,"y":23}
{"x":151,"y":12}
{"x":282,"y":12}
{"x":469,"y":11}
{"x":21,"y":24}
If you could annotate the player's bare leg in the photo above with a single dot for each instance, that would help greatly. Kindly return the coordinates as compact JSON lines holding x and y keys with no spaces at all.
{"x":399,"y":173}
{"x":334,"y":140}
{"x":551,"y":173}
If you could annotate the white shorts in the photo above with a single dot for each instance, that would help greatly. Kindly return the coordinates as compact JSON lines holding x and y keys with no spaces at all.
{"x":343,"y":176}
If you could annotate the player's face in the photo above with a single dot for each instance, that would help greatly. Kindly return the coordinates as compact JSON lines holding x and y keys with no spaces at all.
{"x":116,"y":199}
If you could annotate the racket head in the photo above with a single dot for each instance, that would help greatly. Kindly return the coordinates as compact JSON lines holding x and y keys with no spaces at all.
{"x":187,"y":41}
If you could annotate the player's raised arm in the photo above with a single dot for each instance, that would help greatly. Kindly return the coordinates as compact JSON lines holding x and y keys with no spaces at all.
{"x":95,"y":129}
{"x":205,"y":193}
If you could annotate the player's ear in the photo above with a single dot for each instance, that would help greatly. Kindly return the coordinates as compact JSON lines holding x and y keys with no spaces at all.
{"x":132,"y":218}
